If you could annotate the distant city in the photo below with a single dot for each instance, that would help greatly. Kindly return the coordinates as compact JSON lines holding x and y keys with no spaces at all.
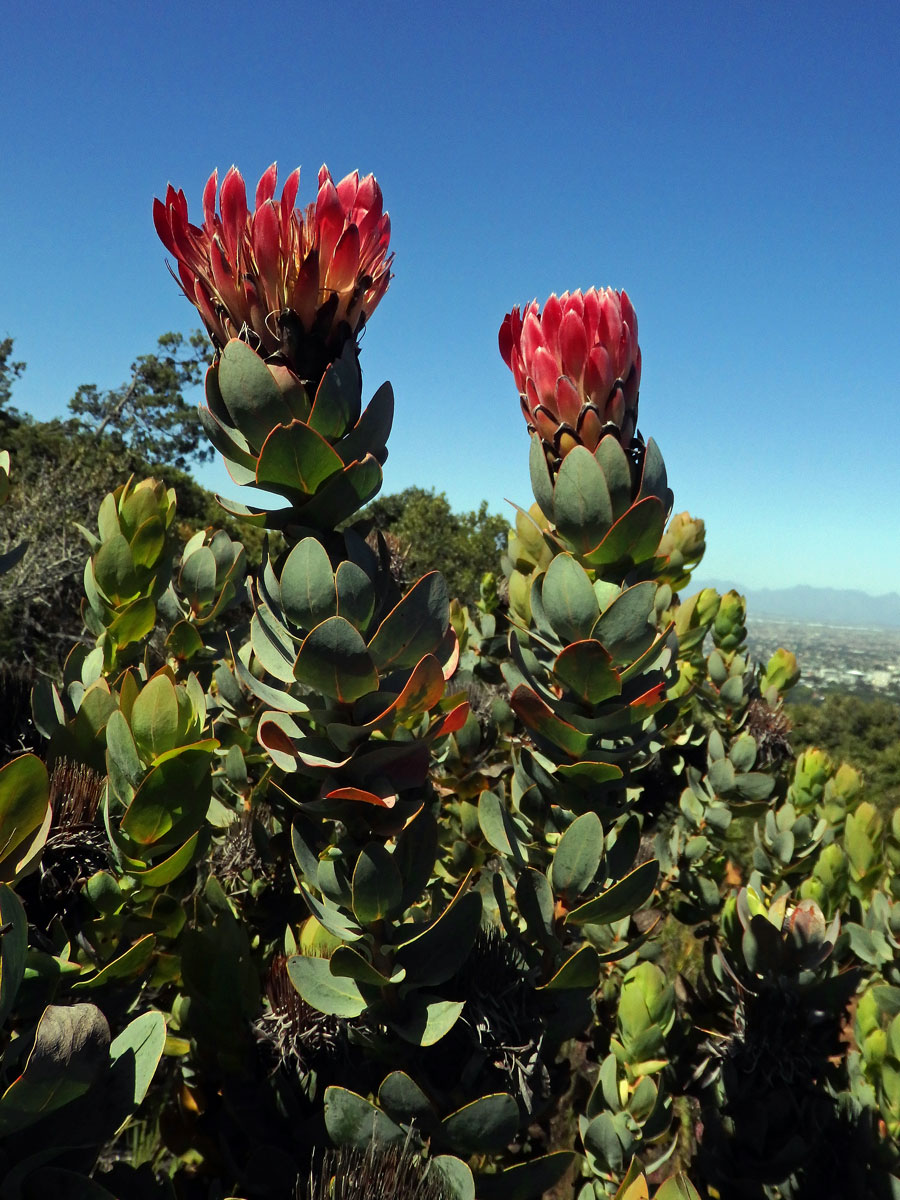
{"x":844,"y":640}
{"x":833,"y":657}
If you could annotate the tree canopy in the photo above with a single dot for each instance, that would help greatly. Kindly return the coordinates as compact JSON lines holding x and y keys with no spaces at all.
{"x":148,"y":414}
{"x":462,"y":545}
{"x":865,"y":733}
{"x":9,"y":371}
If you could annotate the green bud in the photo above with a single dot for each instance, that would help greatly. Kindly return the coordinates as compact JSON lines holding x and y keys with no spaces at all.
{"x":729,"y":627}
{"x":813,"y":770}
{"x":683,"y":543}
{"x":781,"y":672}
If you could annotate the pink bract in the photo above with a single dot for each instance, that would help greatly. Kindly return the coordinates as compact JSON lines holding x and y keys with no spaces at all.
{"x":577,"y":366}
{"x":278,"y":272}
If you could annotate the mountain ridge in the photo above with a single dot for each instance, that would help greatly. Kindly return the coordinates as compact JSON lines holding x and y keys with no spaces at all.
{"x":815,"y":605}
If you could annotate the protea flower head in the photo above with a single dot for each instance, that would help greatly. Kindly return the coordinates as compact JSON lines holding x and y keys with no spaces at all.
{"x":577,"y":366}
{"x":291,"y":282}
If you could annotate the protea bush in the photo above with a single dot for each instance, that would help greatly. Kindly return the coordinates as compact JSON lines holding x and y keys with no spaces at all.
{"x":319,"y":884}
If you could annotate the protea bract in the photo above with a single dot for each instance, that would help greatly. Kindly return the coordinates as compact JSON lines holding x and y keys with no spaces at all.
{"x":577,"y":366}
{"x":292,"y":282}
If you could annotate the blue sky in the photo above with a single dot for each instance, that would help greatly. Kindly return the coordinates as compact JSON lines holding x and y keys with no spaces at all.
{"x":736,"y":168}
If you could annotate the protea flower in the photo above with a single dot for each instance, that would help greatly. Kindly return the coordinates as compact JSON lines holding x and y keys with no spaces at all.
{"x":291,"y":283}
{"x":577,"y":366}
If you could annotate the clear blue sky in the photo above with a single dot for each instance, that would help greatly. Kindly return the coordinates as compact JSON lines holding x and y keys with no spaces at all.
{"x":735,"y":167}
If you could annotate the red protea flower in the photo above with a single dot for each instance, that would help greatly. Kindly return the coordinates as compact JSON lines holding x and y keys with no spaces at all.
{"x":577,"y":366}
{"x":279,"y":277}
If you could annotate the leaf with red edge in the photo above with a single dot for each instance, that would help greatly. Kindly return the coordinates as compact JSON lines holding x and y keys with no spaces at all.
{"x":338,"y":398}
{"x":276,"y":741}
{"x":171,"y":803}
{"x":344,"y":494}
{"x":317,"y":754}
{"x":452,"y":722}
{"x":295,"y":461}
{"x":543,"y":721}
{"x":626,"y":627}
{"x":620,"y":900}
{"x":423,"y":690}
{"x":334,"y":661}
{"x":370,"y":433}
{"x":363,"y":796}
{"x":654,"y":651}
{"x":249,"y":392}
{"x":415,"y":626}
{"x":650,"y":699}
{"x":586,"y":667}
{"x":634,"y":538}
{"x":24,"y":796}
{"x":448,"y":653}
{"x":592,"y":773}
{"x":69,"y":1055}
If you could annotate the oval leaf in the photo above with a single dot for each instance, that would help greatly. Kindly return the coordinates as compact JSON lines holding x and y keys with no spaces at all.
{"x":337,"y":995}
{"x":621,"y":900}
{"x":334,"y":661}
{"x":414,"y":627}
{"x":489,"y":1123}
{"x":376,"y":884}
{"x":307,"y":584}
{"x":577,"y":857}
{"x":569,"y":599}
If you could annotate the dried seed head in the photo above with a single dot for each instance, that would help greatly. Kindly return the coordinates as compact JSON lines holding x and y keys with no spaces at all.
{"x":394,"y":1173}
{"x":502,"y":1014}
{"x":771,"y":727}
{"x":76,"y":848}
{"x":238,"y":853}
{"x":75,"y":791}
{"x":300,"y":1037}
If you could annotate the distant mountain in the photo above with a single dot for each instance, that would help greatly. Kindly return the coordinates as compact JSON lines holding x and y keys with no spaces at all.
{"x":829,"y":606}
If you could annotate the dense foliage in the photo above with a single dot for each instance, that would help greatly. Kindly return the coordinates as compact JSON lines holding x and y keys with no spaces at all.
{"x":323,"y":884}
{"x":430,"y":536}
{"x":865,"y":733}
{"x":65,"y":467}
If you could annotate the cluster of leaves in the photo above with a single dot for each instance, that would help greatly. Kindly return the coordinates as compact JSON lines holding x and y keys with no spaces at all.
{"x":865,"y":733}
{"x":63,"y":470}
{"x":322,"y":884}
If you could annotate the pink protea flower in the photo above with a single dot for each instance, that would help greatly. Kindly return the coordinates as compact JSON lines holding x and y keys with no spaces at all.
{"x":279,"y":276}
{"x":577,"y":366}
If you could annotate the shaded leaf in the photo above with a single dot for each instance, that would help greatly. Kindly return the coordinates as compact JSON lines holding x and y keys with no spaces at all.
{"x":352,"y":1120}
{"x":621,"y":900}
{"x":336,"y":995}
